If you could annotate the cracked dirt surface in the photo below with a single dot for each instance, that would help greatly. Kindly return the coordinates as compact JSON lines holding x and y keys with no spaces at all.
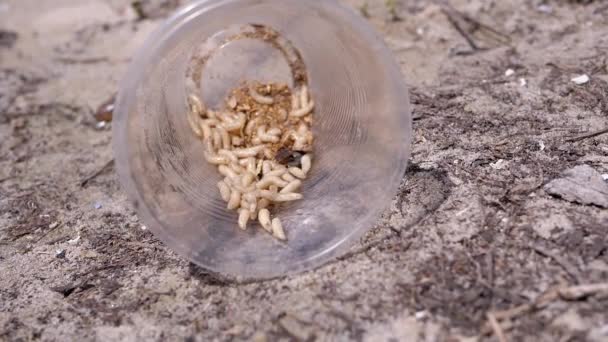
{"x":471,"y":231}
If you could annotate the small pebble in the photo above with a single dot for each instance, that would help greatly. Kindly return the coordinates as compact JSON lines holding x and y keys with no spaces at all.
{"x":580,"y":80}
{"x":74,"y":240}
{"x":509,"y":72}
{"x":605,"y":177}
{"x":97,"y":205}
{"x":523,"y":82}
{"x":60,"y":253}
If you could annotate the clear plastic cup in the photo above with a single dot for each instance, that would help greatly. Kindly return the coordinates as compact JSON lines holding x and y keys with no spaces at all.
{"x":362,"y":132}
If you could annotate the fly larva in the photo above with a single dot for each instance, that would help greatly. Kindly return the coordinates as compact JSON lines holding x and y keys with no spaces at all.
{"x":237,"y":168}
{"x":266,"y":167}
{"x":232,"y":102}
{"x":217,"y":139}
{"x":295,"y":102}
{"x":298,"y":113}
{"x":228,"y":155}
{"x":267,"y":194}
{"x":247,"y":179}
{"x":264,"y":218}
{"x":273,"y":131}
{"x":227,"y":172}
{"x":297,"y":172}
{"x":259,"y":167}
{"x":196,"y":106}
{"x":287,"y":197}
{"x":251,"y":126}
{"x":283,"y":114}
{"x":268,"y":153}
{"x":206,"y":130}
{"x":194,"y":126}
{"x":212,"y":115}
{"x":266,"y":138}
{"x":225,"y":138}
{"x":259,"y":98}
{"x":235,"y":200}
{"x":215,"y":159}
{"x":224,"y":190}
{"x":266,"y":182}
{"x":254,"y":215}
{"x":291,"y":187}
{"x":275,"y":173}
{"x":251,"y":165}
{"x":237,"y":141}
{"x":304,"y":96}
{"x":243,"y":218}
{"x":248,"y":152}
{"x":288,"y":177}
{"x":236,"y":124}
{"x":277,"y":229}
{"x":306,"y":162}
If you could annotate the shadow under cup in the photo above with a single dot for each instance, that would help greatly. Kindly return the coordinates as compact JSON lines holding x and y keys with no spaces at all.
{"x":362,"y":130}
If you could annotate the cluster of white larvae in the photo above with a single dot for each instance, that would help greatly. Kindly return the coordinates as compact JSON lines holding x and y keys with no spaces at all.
{"x":243,"y":140}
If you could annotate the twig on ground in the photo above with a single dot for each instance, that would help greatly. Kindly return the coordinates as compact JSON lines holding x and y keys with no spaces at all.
{"x":568,"y":267}
{"x":95,"y":174}
{"x":456,"y":17}
{"x":567,"y":293}
{"x":588,"y":135}
{"x":582,"y":291}
{"x":496,"y":327}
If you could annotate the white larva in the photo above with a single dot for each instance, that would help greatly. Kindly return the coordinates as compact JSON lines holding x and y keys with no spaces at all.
{"x":277,"y":229}
{"x":259,"y":98}
{"x":273,"y":131}
{"x":237,"y":141}
{"x":206,"y":129}
{"x":194,"y":126}
{"x":273,"y":139}
{"x":227,"y":172}
{"x":304,"y":96}
{"x":275,"y":173}
{"x":196,"y":106}
{"x":248,"y":152}
{"x":303,"y":111}
{"x":264,"y":219}
{"x":215,"y":159}
{"x":306,"y":162}
{"x":295,"y":102}
{"x":243,"y":218}
{"x":232,"y":102}
{"x":288,"y":177}
{"x":228,"y":155}
{"x":287,"y":197}
{"x":251,"y":165}
{"x":251,"y":126}
{"x":247,"y":179}
{"x":297,"y":172}
{"x":291,"y":187}
{"x":267,"y":194}
{"x":266,"y":167}
{"x":267,"y":181}
{"x":234,"y":201}
{"x":217,"y":139}
{"x":224,"y":190}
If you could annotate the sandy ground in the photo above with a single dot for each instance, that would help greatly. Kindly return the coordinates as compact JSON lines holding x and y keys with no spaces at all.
{"x":472,"y":232}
